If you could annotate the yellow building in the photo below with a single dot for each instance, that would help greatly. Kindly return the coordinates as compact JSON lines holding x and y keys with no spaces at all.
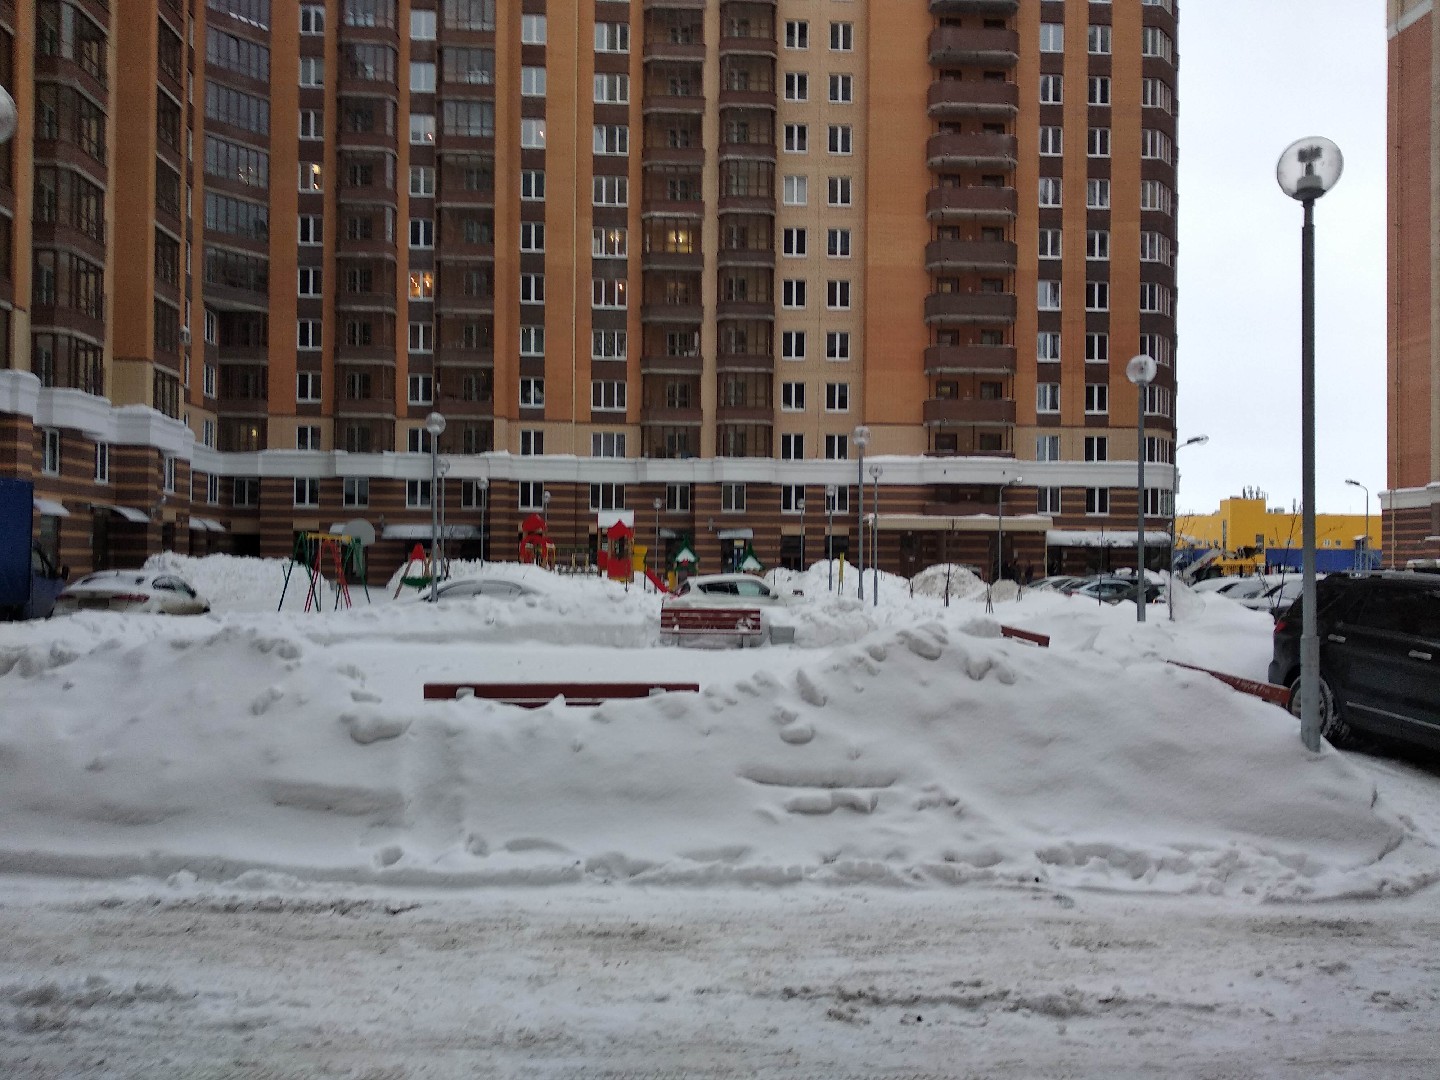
{"x":1255,"y":536}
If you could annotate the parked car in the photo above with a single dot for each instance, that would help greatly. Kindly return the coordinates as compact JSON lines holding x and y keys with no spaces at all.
{"x":724,"y":590}
{"x":1278,"y":598}
{"x":1379,"y":656}
{"x":1111,"y":590}
{"x":489,"y":588}
{"x":131,"y":590}
{"x":1244,"y":588}
{"x":1054,"y":583}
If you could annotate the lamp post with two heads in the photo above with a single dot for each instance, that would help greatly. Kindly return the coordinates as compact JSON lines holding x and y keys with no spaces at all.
{"x":1198,"y":440}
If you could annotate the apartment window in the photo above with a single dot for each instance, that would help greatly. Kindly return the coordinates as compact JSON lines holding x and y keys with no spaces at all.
{"x":732,"y":498}
{"x":532,"y":442}
{"x":355,"y":490}
{"x":245,"y":491}
{"x":842,"y":89}
{"x":422,"y":232}
{"x":309,"y":228}
{"x":797,"y":86}
{"x":532,"y":82}
{"x":1047,"y":295}
{"x":312,"y":19}
{"x":1156,"y":145}
{"x":417,"y":494}
{"x":1154,"y":298}
{"x":838,"y":191}
{"x":1097,"y":296}
{"x":1050,"y":243}
{"x":1097,"y":398}
{"x":1047,"y":397}
{"x":612,"y":89}
{"x":607,"y":344}
{"x":307,"y":437}
{"x":792,"y":446}
{"x":312,"y":71}
{"x":607,"y":497}
{"x":310,"y":176}
{"x":1052,"y":89}
{"x":677,"y":498}
{"x":1052,"y":37}
{"x":837,"y":295}
{"x":837,"y":447}
{"x":533,"y":29}
{"x":311,"y":124}
{"x":1097,"y":194}
{"x":307,"y":334}
{"x":792,"y":345}
{"x":792,"y":293}
{"x":792,"y":397}
{"x":1097,"y":244}
{"x":1097,"y":448}
{"x":797,"y":138}
{"x":837,"y":345}
{"x":607,"y":293}
{"x":532,"y":340}
{"x":1097,"y":348}
{"x":421,"y":389}
{"x":532,"y":185}
{"x":50,"y":453}
{"x":1051,"y":141}
{"x":532,"y":236}
{"x":1098,"y":40}
{"x":796,"y":190}
{"x":1155,"y":195}
{"x":842,"y":37}
{"x":1097,"y":500}
{"x":307,"y":388}
{"x":532,"y":288}
{"x":422,"y":25}
{"x":611,"y":140}
{"x":1047,"y":500}
{"x":307,"y":491}
{"x":422,"y":128}
{"x":793,"y":242}
{"x":837,"y":243}
{"x":1047,"y":345}
{"x":1156,"y":94}
{"x":608,"y":395}
{"x":422,"y":181}
{"x":309,"y":281}
{"x":1155,"y":42}
{"x":532,"y":133}
{"x":612,"y":37}
{"x":1098,"y":142}
{"x":1099,"y":90}
{"x":208,"y":379}
{"x":607,"y":444}
{"x":1050,"y":188}
{"x":837,"y":397}
{"x":1047,"y":448}
{"x":797,"y":34}
{"x":422,"y":337}
{"x":531,"y":495}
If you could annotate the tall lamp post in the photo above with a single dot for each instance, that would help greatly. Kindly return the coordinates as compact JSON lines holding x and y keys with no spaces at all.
{"x":444,"y":471}
{"x":875,"y":473}
{"x":830,"y":533}
{"x":1362,"y":487}
{"x":861,"y":437}
{"x":800,"y":505}
{"x":1307,"y":170}
{"x":435,"y":425}
{"x":483,"y":485}
{"x":1198,"y":440}
{"x":656,"y":504}
{"x":1140,"y":371}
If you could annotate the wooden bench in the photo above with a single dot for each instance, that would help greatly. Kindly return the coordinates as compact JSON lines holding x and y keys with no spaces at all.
{"x":1043,"y":640}
{"x":741,"y":623}
{"x":534,"y":695}
{"x":1276,"y":695}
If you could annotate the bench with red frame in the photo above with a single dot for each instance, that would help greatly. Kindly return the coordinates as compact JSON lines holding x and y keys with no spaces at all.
{"x":1043,"y":640}
{"x":534,"y":695}
{"x":741,"y":623}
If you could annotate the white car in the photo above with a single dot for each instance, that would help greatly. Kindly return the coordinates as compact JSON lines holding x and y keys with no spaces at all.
{"x":131,"y":590}
{"x":725,"y":590}
{"x":485,"y":588}
{"x":1277,"y":598}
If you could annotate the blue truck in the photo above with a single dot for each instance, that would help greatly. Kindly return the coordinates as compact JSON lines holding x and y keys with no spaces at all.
{"x":29,"y":580}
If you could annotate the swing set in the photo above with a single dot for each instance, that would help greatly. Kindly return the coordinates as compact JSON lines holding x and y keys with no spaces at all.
{"x":319,"y":551}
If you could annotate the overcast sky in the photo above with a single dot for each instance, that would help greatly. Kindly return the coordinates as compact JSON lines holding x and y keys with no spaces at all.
{"x":1255,"y":75}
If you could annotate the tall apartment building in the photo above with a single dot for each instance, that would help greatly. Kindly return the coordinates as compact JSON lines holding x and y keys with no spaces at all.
{"x":658,"y":258}
{"x":1411,"y":508}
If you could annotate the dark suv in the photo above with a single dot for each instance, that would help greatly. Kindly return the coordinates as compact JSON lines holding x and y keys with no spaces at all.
{"x":1379,"y":656}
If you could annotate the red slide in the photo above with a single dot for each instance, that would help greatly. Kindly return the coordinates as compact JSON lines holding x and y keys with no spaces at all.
{"x":660,"y":586}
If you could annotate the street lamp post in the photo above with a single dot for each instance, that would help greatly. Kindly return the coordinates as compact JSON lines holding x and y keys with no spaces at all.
{"x":444,"y":471}
{"x":800,"y":505}
{"x":1307,"y":170}
{"x":829,"y":533}
{"x":1362,"y":487}
{"x":861,"y":437}
{"x":435,"y":425}
{"x":656,"y":504}
{"x":875,"y":473}
{"x":484,"y":487}
{"x":1198,"y":440}
{"x":1140,"y":371}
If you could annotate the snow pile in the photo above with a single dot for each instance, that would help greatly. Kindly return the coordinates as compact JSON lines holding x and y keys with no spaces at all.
{"x":919,"y":748}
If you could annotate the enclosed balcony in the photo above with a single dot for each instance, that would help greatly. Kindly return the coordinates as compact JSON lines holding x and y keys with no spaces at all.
{"x":951,"y":150}
{"x":969,"y":411}
{"x":970,"y":255}
{"x":981,"y":203}
{"x":958,"y":46}
{"x":973,"y":97}
{"x":949,"y":8}
{"x":970,"y":359}
{"x":971,"y":307}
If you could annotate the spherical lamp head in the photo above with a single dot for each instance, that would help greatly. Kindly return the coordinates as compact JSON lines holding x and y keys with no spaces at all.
{"x":1309,"y":168}
{"x":1141,"y":370}
{"x":435,"y":424}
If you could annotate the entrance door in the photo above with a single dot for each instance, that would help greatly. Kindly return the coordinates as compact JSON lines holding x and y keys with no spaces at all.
{"x":99,"y":539}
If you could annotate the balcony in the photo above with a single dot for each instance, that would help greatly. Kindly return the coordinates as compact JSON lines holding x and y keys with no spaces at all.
{"x":949,"y":150}
{"x":970,"y":359}
{"x":969,"y":307}
{"x":685,"y":52}
{"x":761,"y":362}
{"x":747,"y":99}
{"x":745,"y":309}
{"x":660,"y":154}
{"x":674,"y":103}
{"x":746,"y":204}
{"x":745,"y":414}
{"x":973,"y":97}
{"x":746,"y":257}
{"x":754,"y":46}
{"x":940,"y":411}
{"x":665,"y":364}
{"x":981,"y":203}
{"x":747,"y":151}
{"x":688,"y":314}
{"x":670,"y":415}
{"x":682,"y":5}
{"x":952,"y":46}
{"x":689,"y":261}
{"x":970,"y":255}
{"x":974,"y":7}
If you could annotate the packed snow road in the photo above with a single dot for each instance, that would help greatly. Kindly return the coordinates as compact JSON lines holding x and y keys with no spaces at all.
{"x":171,"y":983}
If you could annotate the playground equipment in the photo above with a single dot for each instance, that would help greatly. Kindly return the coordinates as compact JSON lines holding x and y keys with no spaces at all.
{"x":613,"y":558}
{"x":417,"y":570}
{"x":535,"y":545}
{"x":314,"y":551}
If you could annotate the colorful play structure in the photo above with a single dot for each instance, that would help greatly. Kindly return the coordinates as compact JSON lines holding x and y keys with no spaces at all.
{"x":535,"y":545}
{"x":341,"y":553}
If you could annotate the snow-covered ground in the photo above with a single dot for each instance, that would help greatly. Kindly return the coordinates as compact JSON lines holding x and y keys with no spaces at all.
{"x":244,"y":845}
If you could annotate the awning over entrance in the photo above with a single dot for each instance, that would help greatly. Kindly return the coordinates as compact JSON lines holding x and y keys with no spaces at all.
{"x":422,"y":532}
{"x":50,"y":508}
{"x":736,"y":534}
{"x":987,"y":523}
{"x":129,"y":513}
{"x":206,"y":524}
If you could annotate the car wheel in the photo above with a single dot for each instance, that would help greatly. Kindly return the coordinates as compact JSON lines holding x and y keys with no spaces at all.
{"x":1333,"y":728}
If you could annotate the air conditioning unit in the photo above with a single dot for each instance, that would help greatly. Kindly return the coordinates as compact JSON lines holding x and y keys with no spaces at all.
{"x":184,"y":335}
